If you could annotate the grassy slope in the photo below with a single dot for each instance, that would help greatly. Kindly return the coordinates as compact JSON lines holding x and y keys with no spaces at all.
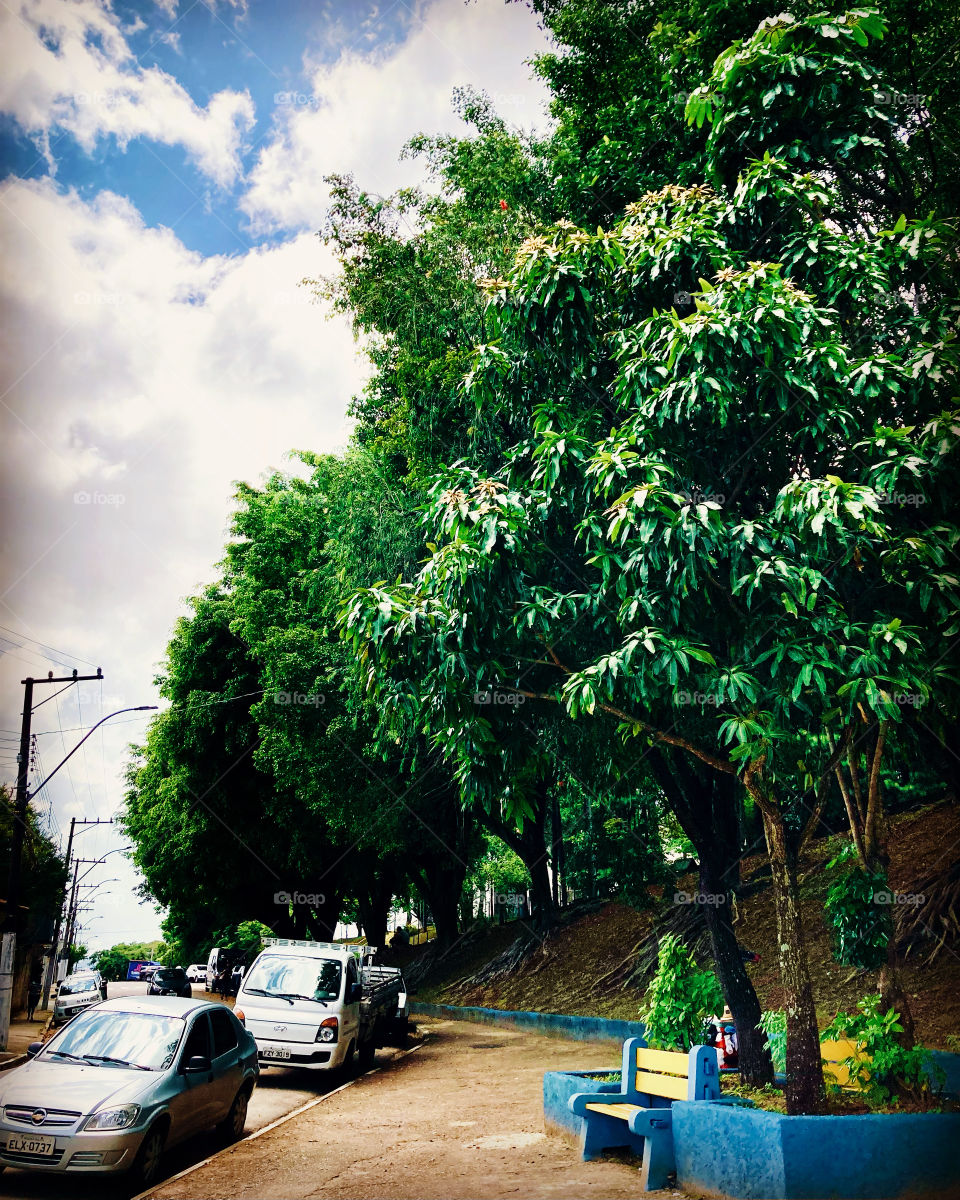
{"x":563,"y":978}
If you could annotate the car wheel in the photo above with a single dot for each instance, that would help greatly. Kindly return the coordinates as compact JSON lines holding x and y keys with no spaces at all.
{"x":146,"y":1166}
{"x":233,"y":1124}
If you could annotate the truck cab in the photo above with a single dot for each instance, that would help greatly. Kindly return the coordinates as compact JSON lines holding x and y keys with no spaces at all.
{"x":307,"y":1005}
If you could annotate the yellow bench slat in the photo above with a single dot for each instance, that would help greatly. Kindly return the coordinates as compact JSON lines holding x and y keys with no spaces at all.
{"x":663,"y":1060}
{"x":623,"y":1111}
{"x":832,"y":1053}
{"x":668,"y":1086}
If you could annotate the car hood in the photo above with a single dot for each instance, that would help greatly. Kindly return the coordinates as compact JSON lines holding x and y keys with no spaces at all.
{"x":74,"y":1088}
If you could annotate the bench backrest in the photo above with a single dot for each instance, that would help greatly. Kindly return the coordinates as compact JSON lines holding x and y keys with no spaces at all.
{"x":833,"y":1052}
{"x":667,"y":1075}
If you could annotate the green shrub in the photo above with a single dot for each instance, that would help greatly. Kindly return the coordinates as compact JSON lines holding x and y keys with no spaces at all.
{"x":892,"y":1072}
{"x":860,"y":928}
{"x":774,"y":1025}
{"x":679,"y":999}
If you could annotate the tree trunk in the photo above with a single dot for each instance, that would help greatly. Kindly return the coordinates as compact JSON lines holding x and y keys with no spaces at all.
{"x":373,"y":904}
{"x":756,"y":1065}
{"x":707,"y":805}
{"x":529,"y":844}
{"x":805,"y":1092}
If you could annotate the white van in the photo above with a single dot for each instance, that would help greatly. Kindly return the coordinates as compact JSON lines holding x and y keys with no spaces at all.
{"x":316,"y":1004}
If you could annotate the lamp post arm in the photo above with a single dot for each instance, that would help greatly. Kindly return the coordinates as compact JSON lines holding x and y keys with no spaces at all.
{"x":92,"y":729}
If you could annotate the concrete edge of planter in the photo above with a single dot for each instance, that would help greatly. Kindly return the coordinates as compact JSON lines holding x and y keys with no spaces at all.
{"x":558,"y":1087}
{"x":581,"y":1029}
{"x":749,"y":1154}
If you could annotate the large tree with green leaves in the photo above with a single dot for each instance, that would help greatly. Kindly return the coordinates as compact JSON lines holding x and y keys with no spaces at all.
{"x":731,"y":396}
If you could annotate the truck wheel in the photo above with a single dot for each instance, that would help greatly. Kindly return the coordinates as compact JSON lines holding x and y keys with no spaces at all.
{"x":367,"y":1054}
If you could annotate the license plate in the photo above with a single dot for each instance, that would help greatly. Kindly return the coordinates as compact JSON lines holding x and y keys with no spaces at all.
{"x":31,"y":1143}
{"x":274,"y":1052}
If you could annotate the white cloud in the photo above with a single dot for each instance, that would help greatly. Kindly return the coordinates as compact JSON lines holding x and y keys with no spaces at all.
{"x":139,"y":380}
{"x":356,"y":115}
{"x":69,"y":68}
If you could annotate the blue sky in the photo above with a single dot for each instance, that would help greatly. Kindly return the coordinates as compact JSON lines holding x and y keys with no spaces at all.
{"x":162,"y":170}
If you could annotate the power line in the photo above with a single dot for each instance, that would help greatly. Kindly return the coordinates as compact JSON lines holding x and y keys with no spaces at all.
{"x":174,"y":708}
{"x":52,"y":649}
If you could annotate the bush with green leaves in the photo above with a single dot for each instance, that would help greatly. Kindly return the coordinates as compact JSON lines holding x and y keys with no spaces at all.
{"x":860,"y":926}
{"x":774,"y":1024}
{"x":882,"y":1069}
{"x":679,"y":999}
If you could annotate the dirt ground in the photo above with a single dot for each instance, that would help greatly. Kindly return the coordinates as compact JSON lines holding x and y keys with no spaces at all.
{"x":460,"y":1117}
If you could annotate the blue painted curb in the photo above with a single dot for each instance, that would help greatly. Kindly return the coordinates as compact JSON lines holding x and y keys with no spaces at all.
{"x":580,"y":1029}
{"x":748,"y":1154}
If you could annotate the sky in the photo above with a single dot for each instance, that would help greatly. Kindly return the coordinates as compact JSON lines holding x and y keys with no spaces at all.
{"x":163,"y":167}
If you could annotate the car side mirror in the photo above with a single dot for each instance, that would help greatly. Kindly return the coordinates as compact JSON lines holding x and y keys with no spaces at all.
{"x":197,"y":1064}
{"x":356,"y":993}
{"x":34,"y":1048}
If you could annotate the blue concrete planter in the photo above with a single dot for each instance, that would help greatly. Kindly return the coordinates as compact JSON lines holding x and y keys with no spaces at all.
{"x":748,"y":1154}
{"x":580,"y":1029}
{"x":558,"y":1087}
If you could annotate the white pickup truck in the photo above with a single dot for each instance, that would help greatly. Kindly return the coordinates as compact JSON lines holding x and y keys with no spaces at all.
{"x":316,"y":1004}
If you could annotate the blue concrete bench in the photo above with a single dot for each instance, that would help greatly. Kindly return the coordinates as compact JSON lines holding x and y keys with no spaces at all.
{"x":639,"y":1116}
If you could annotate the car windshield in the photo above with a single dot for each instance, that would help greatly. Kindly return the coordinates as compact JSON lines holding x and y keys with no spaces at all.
{"x":145,"y":1040}
{"x":294,"y":977}
{"x":171,"y":974}
{"x":73,"y":987}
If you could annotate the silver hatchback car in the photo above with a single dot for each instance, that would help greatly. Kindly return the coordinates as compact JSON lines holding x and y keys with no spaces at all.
{"x":123,"y":1081}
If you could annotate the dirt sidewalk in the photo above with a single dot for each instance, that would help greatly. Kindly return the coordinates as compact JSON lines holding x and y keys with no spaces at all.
{"x":461,"y":1118}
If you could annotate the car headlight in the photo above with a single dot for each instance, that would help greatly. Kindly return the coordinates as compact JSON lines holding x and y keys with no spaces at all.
{"x":113,"y":1118}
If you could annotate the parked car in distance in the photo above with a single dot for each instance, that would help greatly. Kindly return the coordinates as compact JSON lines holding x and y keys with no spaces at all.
{"x":75,"y":993}
{"x":148,"y":971}
{"x":169,"y":981}
{"x":197,"y":972}
{"x":111,"y":1091}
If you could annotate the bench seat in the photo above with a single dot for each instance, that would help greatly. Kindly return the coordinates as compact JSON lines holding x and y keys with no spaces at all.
{"x":639,"y":1117}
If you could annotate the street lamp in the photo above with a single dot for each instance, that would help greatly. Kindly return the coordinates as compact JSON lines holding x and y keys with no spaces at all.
{"x":8,"y":945}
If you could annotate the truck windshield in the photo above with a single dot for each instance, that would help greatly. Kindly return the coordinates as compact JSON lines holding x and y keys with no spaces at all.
{"x":289,"y":976}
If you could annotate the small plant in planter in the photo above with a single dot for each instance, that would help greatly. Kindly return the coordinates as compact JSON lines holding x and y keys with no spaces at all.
{"x":679,"y":999}
{"x":885,"y":1073}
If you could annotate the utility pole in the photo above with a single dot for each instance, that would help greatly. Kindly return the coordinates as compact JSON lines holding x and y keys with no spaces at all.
{"x":55,"y":951}
{"x":8,"y":946}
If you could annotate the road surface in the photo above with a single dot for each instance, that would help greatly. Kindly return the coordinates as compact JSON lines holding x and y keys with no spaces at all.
{"x":279,"y":1091}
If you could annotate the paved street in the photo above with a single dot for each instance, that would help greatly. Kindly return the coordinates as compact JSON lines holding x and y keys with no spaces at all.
{"x":279,"y":1091}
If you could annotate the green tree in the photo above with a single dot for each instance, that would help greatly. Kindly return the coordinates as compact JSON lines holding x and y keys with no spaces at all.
{"x":716,"y":390}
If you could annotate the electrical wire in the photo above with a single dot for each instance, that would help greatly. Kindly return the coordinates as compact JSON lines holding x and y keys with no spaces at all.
{"x":53,"y":649}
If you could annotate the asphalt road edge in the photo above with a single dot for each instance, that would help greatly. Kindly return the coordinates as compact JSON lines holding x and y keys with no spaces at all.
{"x":273,"y":1124}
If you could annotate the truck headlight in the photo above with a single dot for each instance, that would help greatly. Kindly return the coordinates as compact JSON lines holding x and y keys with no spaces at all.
{"x":113,"y":1118}
{"x":328,"y":1030}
